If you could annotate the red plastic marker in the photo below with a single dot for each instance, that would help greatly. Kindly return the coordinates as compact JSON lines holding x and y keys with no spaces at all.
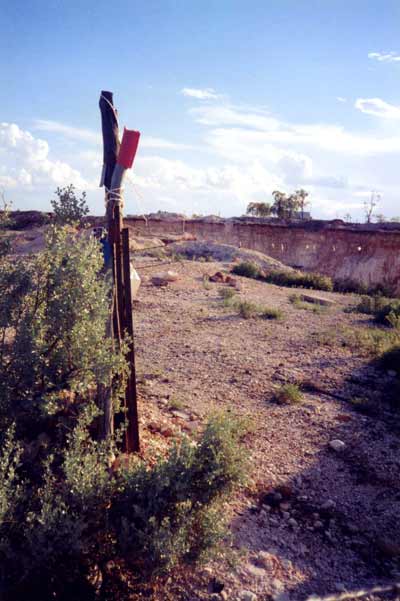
{"x":128,"y":148}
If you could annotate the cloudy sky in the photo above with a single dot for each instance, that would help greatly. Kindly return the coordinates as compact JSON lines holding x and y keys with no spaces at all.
{"x":234,"y":99}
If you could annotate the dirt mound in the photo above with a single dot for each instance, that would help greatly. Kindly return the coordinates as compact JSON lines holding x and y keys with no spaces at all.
{"x":226,"y":253}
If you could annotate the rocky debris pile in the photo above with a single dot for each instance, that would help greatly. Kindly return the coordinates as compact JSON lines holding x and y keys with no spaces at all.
{"x":212,"y":251}
{"x":223,"y":278}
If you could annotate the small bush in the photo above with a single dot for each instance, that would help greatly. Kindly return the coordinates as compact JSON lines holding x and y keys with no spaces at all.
{"x":247,"y":309}
{"x":297,"y":302}
{"x":247,"y":269}
{"x":226,"y":293}
{"x":348,"y":285}
{"x":271,"y":313}
{"x":68,"y":208}
{"x":288,"y":394}
{"x":294,"y":279}
{"x":175,"y":404}
{"x":385,"y":310}
{"x":370,"y":341}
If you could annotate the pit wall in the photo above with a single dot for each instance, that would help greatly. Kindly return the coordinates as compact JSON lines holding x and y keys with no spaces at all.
{"x":367,"y":254}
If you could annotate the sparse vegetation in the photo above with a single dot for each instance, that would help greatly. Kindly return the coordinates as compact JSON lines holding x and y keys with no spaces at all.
{"x":292,"y":279}
{"x":226,"y":293}
{"x":247,"y":269}
{"x":67,"y":505}
{"x":386,"y":311}
{"x":271,"y":313}
{"x":247,"y":309}
{"x":295,"y":279}
{"x":175,"y":404}
{"x":297,"y":302}
{"x":68,"y":208}
{"x":288,"y":394}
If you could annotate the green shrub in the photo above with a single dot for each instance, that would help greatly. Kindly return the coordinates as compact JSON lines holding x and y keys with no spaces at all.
{"x":66,"y":509}
{"x":297,"y":302}
{"x":68,"y":208}
{"x":348,"y":285}
{"x":247,"y":269}
{"x":299,"y":280}
{"x":385,"y":310}
{"x":271,"y":313}
{"x":226,"y":293}
{"x":289,"y":394}
{"x":55,"y":311}
{"x":79,"y":515}
{"x":247,"y":309}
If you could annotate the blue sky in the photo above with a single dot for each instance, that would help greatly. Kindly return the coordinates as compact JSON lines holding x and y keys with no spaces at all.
{"x":234,"y":99}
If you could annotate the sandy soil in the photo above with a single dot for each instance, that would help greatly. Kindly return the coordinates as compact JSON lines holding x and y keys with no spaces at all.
{"x":312,"y":521}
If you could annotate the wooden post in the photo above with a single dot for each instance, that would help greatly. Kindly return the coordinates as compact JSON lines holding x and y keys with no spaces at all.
{"x":117,"y":159}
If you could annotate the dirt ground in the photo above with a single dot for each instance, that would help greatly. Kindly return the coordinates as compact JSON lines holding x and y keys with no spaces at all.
{"x":312,"y":521}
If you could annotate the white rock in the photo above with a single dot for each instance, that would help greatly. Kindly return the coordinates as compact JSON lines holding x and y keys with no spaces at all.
{"x":247,"y":596}
{"x":329,"y":504}
{"x":256,"y":572}
{"x":292,"y":522}
{"x":337,"y":445}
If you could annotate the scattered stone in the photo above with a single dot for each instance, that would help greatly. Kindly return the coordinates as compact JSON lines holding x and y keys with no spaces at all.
{"x":255,"y":571}
{"x":247,"y":596}
{"x":167,"y":432}
{"x":163,"y":279}
{"x":265,"y":559}
{"x":218,"y":277}
{"x":329,"y":504}
{"x":293,"y":523}
{"x":285,"y":506}
{"x":285,"y":515}
{"x":318,"y":525}
{"x":340,"y":587}
{"x":154,"y":427}
{"x":223,"y":595}
{"x":337,"y":445}
{"x":180,"y":414}
{"x":392,"y":373}
{"x":273,"y":522}
{"x":277,"y":585}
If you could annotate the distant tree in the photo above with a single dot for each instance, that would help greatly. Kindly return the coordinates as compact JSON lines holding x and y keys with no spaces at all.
{"x":395,"y":219}
{"x":301,"y":196}
{"x":380,"y":218}
{"x":286,"y":207}
{"x":348,"y":218}
{"x":370,"y":204}
{"x":280,"y":207}
{"x":259,"y":209}
{"x":68,"y":208}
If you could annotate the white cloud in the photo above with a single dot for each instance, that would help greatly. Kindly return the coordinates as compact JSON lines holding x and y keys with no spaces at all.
{"x":201,"y":94}
{"x":341,"y":99}
{"x":386,"y":57}
{"x":69,"y":131}
{"x":378,"y":108}
{"x":94,"y":138}
{"x":25,"y":161}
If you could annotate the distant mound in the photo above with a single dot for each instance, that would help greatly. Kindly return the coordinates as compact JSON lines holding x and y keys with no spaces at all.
{"x":226,"y":253}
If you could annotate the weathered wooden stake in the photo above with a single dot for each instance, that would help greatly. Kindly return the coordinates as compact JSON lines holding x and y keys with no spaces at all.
{"x":116,"y":161}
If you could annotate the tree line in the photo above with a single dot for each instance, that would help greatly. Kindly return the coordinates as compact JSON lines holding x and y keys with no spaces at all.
{"x":285,"y":206}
